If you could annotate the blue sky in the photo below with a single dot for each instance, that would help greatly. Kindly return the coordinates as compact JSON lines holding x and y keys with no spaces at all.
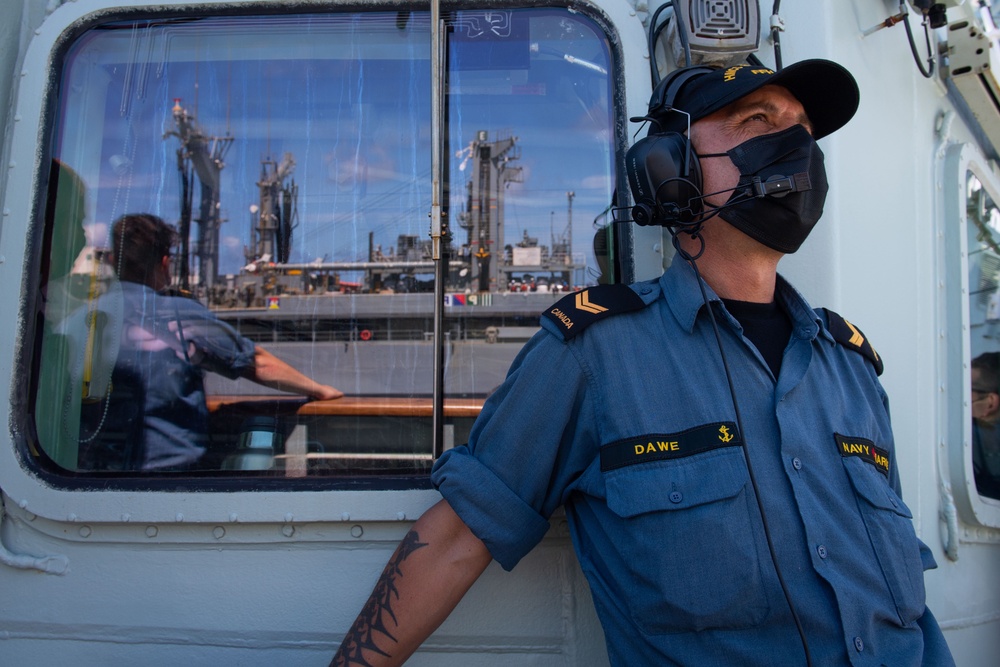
{"x":348,"y":97}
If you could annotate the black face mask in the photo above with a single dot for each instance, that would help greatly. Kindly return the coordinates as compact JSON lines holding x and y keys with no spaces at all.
{"x":781,"y":191}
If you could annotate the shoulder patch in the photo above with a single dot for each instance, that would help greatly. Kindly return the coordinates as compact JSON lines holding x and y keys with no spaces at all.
{"x":575,"y":312}
{"x":851,"y":337}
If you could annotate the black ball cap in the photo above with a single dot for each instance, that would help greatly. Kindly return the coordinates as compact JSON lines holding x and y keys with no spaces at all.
{"x":826,"y":90}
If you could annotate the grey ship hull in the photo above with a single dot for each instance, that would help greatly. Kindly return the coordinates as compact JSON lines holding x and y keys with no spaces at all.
{"x":381,"y":344}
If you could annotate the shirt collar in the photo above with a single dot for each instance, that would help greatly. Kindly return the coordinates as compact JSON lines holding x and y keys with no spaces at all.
{"x":680,"y":287}
{"x":806,"y":322}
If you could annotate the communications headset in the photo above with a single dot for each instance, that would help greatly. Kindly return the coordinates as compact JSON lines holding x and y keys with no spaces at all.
{"x":664,"y":176}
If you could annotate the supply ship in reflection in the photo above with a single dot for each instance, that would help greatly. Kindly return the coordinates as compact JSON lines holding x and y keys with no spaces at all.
{"x":380,"y":308}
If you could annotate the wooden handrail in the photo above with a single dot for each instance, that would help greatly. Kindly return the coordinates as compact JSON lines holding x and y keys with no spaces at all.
{"x":352,"y":406}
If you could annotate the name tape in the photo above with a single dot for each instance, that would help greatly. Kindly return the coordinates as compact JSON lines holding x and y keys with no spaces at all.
{"x":660,"y":446}
{"x":864,"y":449}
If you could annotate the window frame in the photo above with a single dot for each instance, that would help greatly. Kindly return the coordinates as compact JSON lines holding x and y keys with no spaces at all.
{"x":92,"y":498}
{"x":959,"y":486}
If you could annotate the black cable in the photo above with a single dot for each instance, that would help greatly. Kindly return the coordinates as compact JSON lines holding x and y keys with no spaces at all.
{"x":775,"y":32}
{"x":651,"y":34}
{"x":929,"y":72}
{"x":682,"y":34}
{"x":695,"y":234}
{"x":656,"y":36}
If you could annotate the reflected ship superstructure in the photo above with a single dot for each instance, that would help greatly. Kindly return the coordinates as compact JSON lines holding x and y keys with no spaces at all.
{"x":383,"y":303}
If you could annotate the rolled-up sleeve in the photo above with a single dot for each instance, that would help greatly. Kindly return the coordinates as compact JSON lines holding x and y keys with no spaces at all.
{"x":533,"y":438}
{"x":213,"y":344}
{"x":507,"y":525}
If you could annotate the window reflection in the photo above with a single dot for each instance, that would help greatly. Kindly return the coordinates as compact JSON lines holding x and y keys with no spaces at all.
{"x":292,"y":156}
{"x":984,"y":315}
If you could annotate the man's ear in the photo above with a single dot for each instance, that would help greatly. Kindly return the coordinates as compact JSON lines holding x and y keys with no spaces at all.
{"x":993,"y":403}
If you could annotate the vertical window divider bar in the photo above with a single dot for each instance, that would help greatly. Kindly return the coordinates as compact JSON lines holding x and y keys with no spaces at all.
{"x":440,"y":262}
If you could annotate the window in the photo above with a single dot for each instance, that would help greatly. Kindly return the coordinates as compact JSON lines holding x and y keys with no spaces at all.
{"x":237,"y":224}
{"x":971,"y":336}
{"x":983,"y":229}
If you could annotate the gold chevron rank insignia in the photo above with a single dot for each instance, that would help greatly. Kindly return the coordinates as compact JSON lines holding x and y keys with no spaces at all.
{"x":851,"y":337}
{"x":575,"y":312}
{"x":856,"y":338}
{"x":583,"y":303}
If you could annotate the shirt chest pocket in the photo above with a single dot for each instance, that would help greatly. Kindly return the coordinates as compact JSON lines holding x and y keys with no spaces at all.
{"x":689,"y":543}
{"x":894,"y":541}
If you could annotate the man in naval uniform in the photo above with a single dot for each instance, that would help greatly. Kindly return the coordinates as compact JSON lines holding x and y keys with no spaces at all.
{"x":690,"y":519}
{"x":165,"y":344}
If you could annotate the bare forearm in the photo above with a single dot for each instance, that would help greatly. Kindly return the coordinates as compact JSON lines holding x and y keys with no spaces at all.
{"x":271,"y":371}
{"x":433,"y":567}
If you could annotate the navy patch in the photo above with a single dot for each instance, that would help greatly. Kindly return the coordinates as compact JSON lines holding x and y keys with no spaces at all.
{"x":864,"y":449}
{"x":660,"y":446}
{"x":851,"y":337}
{"x":575,"y":312}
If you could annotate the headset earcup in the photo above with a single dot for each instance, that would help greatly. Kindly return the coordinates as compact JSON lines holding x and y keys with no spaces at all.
{"x":642,"y":189}
{"x":664,"y":176}
{"x":680,"y":197}
{"x":663,"y":172}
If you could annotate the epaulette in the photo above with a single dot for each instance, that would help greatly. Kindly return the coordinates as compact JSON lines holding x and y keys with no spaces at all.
{"x":851,"y":337}
{"x":575,"y":312}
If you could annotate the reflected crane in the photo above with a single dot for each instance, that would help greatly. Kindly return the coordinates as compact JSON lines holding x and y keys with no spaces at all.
{"x":202,"y":156}
{"x":483,"y":219}
{"x":275,"y":216}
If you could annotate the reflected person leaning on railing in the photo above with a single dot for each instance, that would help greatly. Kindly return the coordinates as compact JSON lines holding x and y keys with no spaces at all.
{"x":161,"y":343}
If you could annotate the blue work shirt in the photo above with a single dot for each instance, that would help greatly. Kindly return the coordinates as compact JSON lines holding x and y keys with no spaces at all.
{"x":631,"y":426}
{"x":163,"y":346}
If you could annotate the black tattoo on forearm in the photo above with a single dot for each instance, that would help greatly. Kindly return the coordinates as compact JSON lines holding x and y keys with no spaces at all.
{"x":371,"y":622}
